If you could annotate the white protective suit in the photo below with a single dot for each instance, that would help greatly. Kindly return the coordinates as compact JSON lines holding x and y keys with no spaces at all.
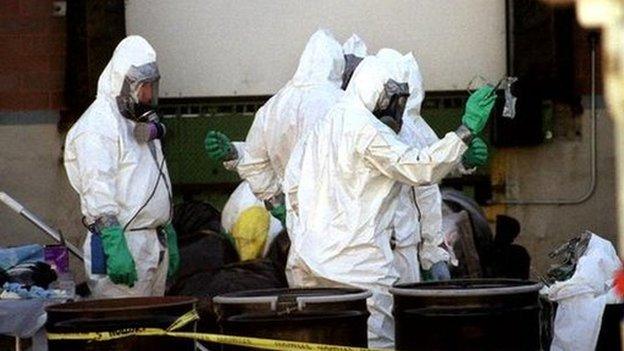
{"x":582,"y":298}
{"x":114,"y":176}
{"x":281,"y":122}
{"x":341,"y":187}
{"x":418,"y":218}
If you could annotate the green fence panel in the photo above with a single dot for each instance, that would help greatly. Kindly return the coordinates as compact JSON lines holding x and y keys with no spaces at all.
{"x":184,"y":145}
{"x":187,"y":124}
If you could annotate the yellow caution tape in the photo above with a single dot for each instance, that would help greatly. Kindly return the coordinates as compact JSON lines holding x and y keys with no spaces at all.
{"x":185,"y":319}
{"x":258,"y":343}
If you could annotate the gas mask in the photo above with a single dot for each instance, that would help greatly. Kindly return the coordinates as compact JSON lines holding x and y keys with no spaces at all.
{"x":351,"y":63}
{"x":148,"y":127}
{"x":128,"y":101}
{"x":391,"y":104}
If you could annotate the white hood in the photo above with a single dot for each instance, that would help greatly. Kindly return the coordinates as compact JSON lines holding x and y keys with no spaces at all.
{"x":368,"y":81}
{"x":322,"y":61}
{"x":132,"y":51}
{"x":414,"y":126}
{"x":354,"y":46}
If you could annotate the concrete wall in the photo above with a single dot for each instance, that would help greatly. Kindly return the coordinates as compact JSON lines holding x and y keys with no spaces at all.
{"x":560,"y":170}
{"x":32,"y":172}
{"x":251,"y":47}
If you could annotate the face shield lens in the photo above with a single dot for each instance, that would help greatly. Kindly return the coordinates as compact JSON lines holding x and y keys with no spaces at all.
{"x":155,"y":90}
{"x":144,"y":73}
{"x":144,"y":83}
{"x":147,"y":97}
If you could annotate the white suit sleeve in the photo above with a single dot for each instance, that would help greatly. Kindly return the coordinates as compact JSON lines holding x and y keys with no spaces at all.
{"x":429,"y":202}
{"x":232,"y":164}
{"x":292,"y":177}
{"x":385,"y":152}
{"x":462,"y":170}
{"x":96,"y":157}
{"x":254,"y":164}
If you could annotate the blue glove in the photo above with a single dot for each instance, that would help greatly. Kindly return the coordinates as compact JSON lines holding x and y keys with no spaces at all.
{"x":439,"y":271}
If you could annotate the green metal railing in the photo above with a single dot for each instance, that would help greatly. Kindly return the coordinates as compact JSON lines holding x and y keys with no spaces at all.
{"x":187,"y":124}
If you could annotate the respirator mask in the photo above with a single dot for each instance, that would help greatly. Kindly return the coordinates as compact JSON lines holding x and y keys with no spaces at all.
{"x":391,"y":104}
{"x":148,"y":127}
{"x":135,"y":105}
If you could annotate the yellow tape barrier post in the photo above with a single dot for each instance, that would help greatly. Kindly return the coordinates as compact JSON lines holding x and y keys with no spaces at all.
{"x":258,"y":343}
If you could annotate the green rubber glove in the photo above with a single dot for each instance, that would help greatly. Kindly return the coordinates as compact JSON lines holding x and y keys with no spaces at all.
{"x":478,"y":109}
{"x":174,"y":253}
{"x":279,"y":212}
{"x":477,"y":153}
{"x":119,"y":263}
{"x":218,"y":146}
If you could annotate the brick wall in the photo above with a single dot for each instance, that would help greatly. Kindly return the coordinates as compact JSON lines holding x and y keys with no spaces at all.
{"x":32,"y":56}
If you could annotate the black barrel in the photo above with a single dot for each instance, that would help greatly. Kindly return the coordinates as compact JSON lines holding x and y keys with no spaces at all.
{"x":480,"y":314}
{"x":117,"y":314}
{"x":326,"y":316}
{"x":610,"y":337}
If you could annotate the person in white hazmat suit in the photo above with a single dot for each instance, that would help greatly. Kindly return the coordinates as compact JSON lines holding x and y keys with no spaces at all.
{"x":118,"y":169}
{"x":417,"y":224}
{"x":341,"y":187}
{"x":324,"y":67}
